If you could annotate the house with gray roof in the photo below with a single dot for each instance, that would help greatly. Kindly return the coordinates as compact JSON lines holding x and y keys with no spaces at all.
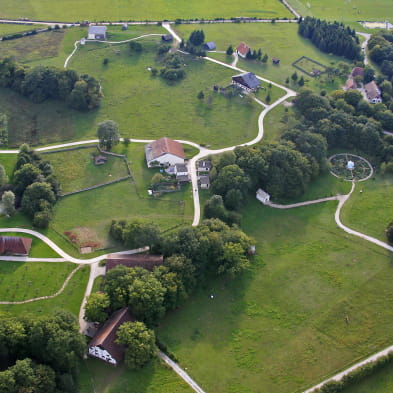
{"x":97,"y":33}
{"x":209,"y":46}
{"x":247,"y":81}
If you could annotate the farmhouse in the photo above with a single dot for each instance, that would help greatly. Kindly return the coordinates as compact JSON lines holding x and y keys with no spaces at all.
{"x":242,"y":50}
{"x":209,"y":45}
{"x":164,"y":152}
{"x":372,"y":92}
{"x":247,"y":81}
{"x":97,"y":33}
{"x":263,"y":196}
{"x":11,"y":245}
{"x":133,"y":260}
{"x":204,"y":166}
{"x":103,"y":345}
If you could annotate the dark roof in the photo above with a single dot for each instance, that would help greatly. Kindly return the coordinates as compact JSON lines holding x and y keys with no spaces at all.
{"x":163,"y":146}
{"x":372,"y":90}
{"x":133,"y":260}
{"x":275,"y":60}
{"x":243,"y":49}
{"x":100,"y":159}
{"x":358,"y":71}
{"x":204,"y":179}
{"x":182,"y":178}
{"x":204,"y":165}
{"x":209,"y":45}
{"x":181,"y":167}
{"x":106,"y":335}
{"x":167,"y":37}
{"x":15,"y":245}
{"x":97,"y":30}
{"x":247,"y":79}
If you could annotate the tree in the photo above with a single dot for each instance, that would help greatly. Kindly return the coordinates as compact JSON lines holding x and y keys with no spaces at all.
{"x":234,"y":260}
{"x":139,"y":342}
{"x":108,"y":134}
{"x":229,"y":51}
{"x":389,"y":232}
{"x":265,"y":58}
{"x":294,"y":76}
{"x":368,"y":74}
{"x":25,"y":176}
{"x":157,"y":178}
{"x":42,"y":218}
{"x":96,"y":308}
{"x":214,"y":208}
{"x":201,"y":95}
{"x":37,"y":197}
{"x":268,"y":98}
{"x":287,"y":80}
{"x":135,"y":47}
{"x":8,"y":200}
{"x":301,"y":81}
{"x":3,"y":176}
{"x":352,"y":97}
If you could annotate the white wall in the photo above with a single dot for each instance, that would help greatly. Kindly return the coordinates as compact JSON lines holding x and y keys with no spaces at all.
{"x":168,"y":159}
{"x":101,"y":354}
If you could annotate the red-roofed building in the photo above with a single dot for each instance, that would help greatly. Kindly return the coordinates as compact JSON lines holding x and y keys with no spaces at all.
{"x":133,"y":260}
{"x":103,"y":345}
{"x":164,"y":152}
{"x":12,"y":245}
{"x":358,"y":71}
{"x":242,"y":49}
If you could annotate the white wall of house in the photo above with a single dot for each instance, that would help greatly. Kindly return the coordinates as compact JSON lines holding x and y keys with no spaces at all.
{"x":263,"y":196}
{"x":167,"y":160}
{"x":102,"y":354}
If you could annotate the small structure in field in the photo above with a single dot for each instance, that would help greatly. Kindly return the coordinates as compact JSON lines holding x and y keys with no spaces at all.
{"x":12,"y":245}
{"x":100,"y":160}
{"x":103,"y":345}
{"x":167,"y":38}
{"x":263,"y":196}
{"x":146,"y":261}
{"x":350,"y":165}
{"x":124,"y":26}
{"x":164,"y":152}
{"x":97,"y":33}
{"x":275,"y":61}
{"x":209,"y":46}
{"x":247,"y":81}
{"x":242,"y":50}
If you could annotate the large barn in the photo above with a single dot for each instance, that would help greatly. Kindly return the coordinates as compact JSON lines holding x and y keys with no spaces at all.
{"x":12,"y":245}
{"x":164,"y":152}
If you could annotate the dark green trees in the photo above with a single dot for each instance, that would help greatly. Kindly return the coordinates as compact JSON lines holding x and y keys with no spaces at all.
{"x":108,"y":134}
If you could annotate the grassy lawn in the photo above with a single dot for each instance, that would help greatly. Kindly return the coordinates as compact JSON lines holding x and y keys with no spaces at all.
{"x":98,"y":377}
{"x":74,"y":10}
{"x":22,"y":281}
{"x":8,"y":161}
{"x":361,"y":10}
{"x":69,"y":300}
{"x":276,"y":40}
{"x":6,"y":28}
{"x":282,"y":324}
{"x":371,"y":210}
{"x":75,"y":169}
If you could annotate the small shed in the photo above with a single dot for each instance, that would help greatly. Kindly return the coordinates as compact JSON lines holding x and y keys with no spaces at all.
{"x":167,"y":38}
{"x":100,"y":160}
{"x":204,"y":182}
{"x":209,"y":46}
{"x":350,"y":165}
{"x":124,"y":26}
{"x":204,"y":166}
{"x":263,"y":196}
{"x":275,"y":61}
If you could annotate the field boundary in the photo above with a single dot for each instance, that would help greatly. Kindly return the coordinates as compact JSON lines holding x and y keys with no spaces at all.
{"x":294,"y":64}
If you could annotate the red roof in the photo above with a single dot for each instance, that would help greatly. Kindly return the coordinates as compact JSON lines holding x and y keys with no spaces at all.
{"x":133,"y":260}
{"x":106,"y":336}
{"x":243,"y":49}
{"x":15,"y":245}
{"x":164,"y":146}
{"x":357,"y":71}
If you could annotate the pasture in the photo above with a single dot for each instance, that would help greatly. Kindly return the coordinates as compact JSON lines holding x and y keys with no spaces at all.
{"x":74,"y":10}
{"x":6,"y":29}
{"x":282,"y":324}
{"x":278,"y":40}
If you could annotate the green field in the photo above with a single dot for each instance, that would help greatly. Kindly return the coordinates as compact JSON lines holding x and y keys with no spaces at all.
{"x":343,"y":11}
{"x":22,"y":281}
{"x":371,"y":210}
{"x":281,"y":327}
{"x":276,"y":40}
{"x":6,"y":29}
{"x":75,"y":169}
{"x":70,"y":299}
{"x":74,"y":10}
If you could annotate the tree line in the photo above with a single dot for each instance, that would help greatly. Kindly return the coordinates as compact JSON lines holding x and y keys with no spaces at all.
{"x":380,"y":48}
{"x":331,"y":37}
{"x":81,"y":92}
{"x":40,"y":354}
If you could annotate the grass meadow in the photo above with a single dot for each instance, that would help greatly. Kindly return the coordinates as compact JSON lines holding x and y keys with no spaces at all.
{"x":276,"y":40}
{"x":6,"y":28}
{"x":281,"y":326}
{"x":70,"y":299}
{"x":74,"y":10}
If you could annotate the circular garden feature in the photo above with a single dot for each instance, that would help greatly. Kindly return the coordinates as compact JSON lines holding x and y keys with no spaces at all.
{"x":350,"y":167}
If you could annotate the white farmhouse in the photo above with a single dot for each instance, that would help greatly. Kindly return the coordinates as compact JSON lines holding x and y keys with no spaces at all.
{"x":164,"y":152}
{"x":103,"y":345}
{"x":263,"y":196}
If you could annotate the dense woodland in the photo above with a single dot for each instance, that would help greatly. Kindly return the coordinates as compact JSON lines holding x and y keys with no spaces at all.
{"x":380,"y":46}
{"x":81,"y":92}
{"x":40,"y":354}
{"x":331,"y":37}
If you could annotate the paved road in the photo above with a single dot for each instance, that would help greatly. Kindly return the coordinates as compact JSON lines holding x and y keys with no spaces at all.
{"x":300,"y":204}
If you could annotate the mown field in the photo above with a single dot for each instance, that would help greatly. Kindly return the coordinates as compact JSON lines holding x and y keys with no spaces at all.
{"x":278,"y":40}
{"x":342,"y":11}
{"x":6,"y":29}
{"x":74,"y":10}
{"x":281,"y":326}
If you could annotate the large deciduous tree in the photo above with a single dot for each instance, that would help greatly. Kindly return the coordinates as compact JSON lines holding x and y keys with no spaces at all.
{"x":8,"y":200}
{"x":96,"y":308}
{"x":108,"y":134}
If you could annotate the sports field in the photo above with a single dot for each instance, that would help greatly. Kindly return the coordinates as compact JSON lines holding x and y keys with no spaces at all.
{"x":75,"y":10}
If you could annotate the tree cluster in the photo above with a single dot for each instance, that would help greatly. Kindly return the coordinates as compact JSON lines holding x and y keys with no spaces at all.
{"x":194,"y":43}
{"x":3,"y":130}
{"x":40,"y":354}
{"x":331,"y":37}
{"x":108,"y":134}
{"x":81,"y":92}
{"x":380,"y":48}
{"x":35,"y":186}
{"x":173,"y":69}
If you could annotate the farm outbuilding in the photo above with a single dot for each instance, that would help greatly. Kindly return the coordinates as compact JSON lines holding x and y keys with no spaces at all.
{"x":209,"y":46}
{"x":164,"y":152}
{"x":97,"y":33}
{"x":12,"y":245}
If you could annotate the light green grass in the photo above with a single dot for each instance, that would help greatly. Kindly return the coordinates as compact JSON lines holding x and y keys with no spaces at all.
{"x":74,"y":10}
{"x":6,"y":28}
{"x":76,"y":169}
{"x":371,"y":210}
{"x":8,"y":161}
{"x":98,"y":377}
{"x":281,"y":326}
{"x":342,"y":11}
{"x":276,"y":40}
{"x":22,"y":281}
{"x":69,"y":300}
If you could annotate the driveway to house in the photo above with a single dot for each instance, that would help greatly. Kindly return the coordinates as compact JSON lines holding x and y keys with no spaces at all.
{"x":364,"y":46}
